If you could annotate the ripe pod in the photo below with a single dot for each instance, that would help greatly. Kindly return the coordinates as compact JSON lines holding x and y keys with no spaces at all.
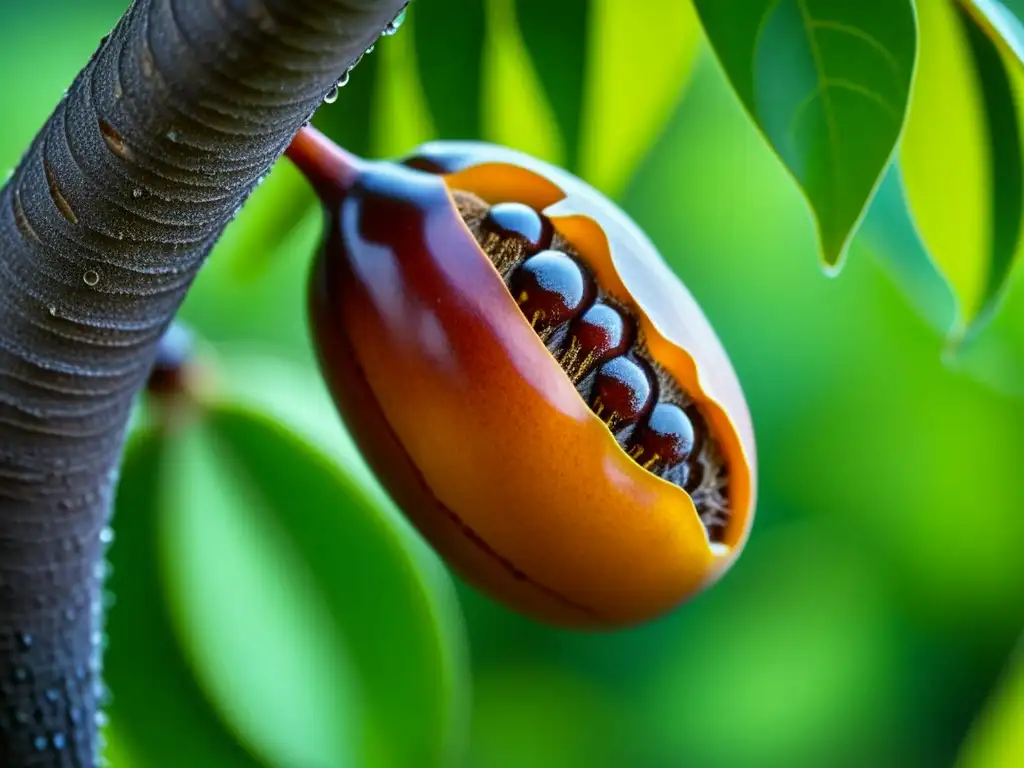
{"x":536,"y":389}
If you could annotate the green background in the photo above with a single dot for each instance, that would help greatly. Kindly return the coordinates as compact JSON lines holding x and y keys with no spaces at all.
{"x":882,"y":591}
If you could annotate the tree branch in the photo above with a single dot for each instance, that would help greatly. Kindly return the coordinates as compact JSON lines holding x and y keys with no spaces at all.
{"x":103,"y":227}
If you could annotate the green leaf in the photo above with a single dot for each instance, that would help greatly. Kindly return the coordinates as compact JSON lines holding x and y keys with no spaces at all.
{"x":555,"y":34}
{"x":996,"y":740}
{"x":449,"y":37}
{"x":961,"y":159}
{"x":628,"y":99}
{"x":158,"y":712}
{"x":250,"y":615}
{"x":1001,"y":20}
{"x":889,"y":235}
{"x":827,"y":82}
{"x":276,"y":554}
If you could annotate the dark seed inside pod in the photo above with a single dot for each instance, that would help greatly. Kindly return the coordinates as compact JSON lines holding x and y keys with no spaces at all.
{"x":597,"y":335}
{"x":550,"y":289}
{"x":665,"y":440}
{"x":599,"y":345}
{"x":519,"y":220}
{"x":622,"y":392}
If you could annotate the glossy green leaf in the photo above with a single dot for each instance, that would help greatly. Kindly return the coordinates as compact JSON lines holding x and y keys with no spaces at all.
{"x":555,"y":34}
{"x":160,"y":715}
{"x":997,"y":738}
{"x":961,"y":159}
{"x":827,"y":82}
{"x":629,"y":99}
{"x":271,"y":534}
{"x":449,"y":37}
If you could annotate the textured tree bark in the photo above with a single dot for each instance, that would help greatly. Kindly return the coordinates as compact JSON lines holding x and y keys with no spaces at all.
{"x":103,"y":227}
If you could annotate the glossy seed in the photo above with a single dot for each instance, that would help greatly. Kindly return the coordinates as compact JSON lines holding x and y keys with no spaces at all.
{"x":597,"y":335}
{"x":667,"y":438}
{"x":521,"y":221}
{"x":550,"y":289}
{"x":621,"y":393}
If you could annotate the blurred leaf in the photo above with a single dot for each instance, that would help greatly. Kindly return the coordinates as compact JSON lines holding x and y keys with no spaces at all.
{"x":349,"y":120}
{"x":159,"y":713}
{"x":995,"y":358}
{"x":629,"y":98}
{"x":449,"y":37}
{"x":268,"y":218}
{"x":250,"y":613}
{"x":401,"y":117}
{"x":888,"y":233}
{"x":352,"y":588}
{"x":997,"y":738}
{"x":542,"y":717}
{"x":827,"y":82}
{"x":961,"y":160}
{"x":1001,"y":20}
{"x":555,"y":34}
{"x":516,"y":111}
{"x":790,"y":662}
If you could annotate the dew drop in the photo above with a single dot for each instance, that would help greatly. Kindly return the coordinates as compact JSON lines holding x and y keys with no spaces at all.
{"x":332,"y":95}
{"x":370,"y":49}
{"x":53,"y":310}
{"x":20,"y":674}
{"x":39,"y":742}
{"x":59,"y":740}
{"x":172,"y":135}
{"x":395,"y":24}
{"x":91,"y":277}
{"x":136,"y":193}
{"x":107,"y":535}
{"x":25,"y":640}
{"x":100,"y":719}
{"x":345,"y":77}
{"x":52,"y":695}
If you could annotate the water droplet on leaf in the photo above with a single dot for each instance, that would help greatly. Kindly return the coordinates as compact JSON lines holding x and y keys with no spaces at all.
{"x":332,"y":95}
{"x":91,"y":277}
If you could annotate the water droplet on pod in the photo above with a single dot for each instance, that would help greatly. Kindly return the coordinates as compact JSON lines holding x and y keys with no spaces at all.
{"x":91,"y":277}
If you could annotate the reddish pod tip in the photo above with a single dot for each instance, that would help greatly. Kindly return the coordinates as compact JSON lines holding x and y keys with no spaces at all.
{"x":329,"y":168}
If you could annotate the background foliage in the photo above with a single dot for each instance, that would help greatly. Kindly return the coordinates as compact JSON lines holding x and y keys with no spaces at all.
{"x":269,"y":606}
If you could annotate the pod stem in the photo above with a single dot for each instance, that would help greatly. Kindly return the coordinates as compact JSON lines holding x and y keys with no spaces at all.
{"x":330,"y":169}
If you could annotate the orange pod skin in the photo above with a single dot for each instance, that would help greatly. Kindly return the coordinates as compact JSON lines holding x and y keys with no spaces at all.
{"x":474,"y":428}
